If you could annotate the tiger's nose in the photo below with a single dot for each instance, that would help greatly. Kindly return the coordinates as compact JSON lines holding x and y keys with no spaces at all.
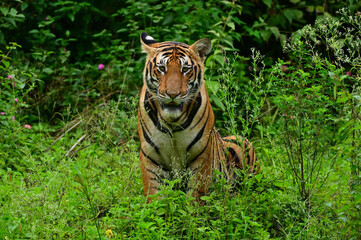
{"x":173,"y":94}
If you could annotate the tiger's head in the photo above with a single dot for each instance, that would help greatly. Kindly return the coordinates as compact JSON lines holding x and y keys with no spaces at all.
{"x":173,"y":72}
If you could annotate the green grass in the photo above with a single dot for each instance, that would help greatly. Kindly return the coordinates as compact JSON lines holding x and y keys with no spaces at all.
{"x":75,"y":174}
{"x":96,"y":192}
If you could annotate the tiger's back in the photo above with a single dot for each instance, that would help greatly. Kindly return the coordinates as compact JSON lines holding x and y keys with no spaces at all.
{"x":176,"y":120}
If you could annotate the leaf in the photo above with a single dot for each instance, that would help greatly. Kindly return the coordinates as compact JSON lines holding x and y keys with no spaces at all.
{"x":4,"y":10}
{"x":265,"y":34}
{"x":6,"y":63}
{"x":11,"y":20}
{"x":217,"y":102}
{"x":259,"y":177}
{"x":231,"y":25}
{"x":292,"y":14}
{"x":218,"y":58}
{"x":268,"y":3}
{"x":13,"y":12}
{"x":71,"y":17}
{"x":212,"y":86}
{"x":23,"y":6}
{"x":275,"y":32}
{"x":168,"y":19}
{"x":48,"y":70}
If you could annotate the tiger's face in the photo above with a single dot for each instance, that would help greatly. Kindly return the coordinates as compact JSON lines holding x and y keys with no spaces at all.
{"x":173,"y":72}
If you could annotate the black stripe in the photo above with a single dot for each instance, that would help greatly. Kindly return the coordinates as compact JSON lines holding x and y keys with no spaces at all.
{"x":165,"y":45}
{"x":194,"y":171}
{"x":234,"y":155}
{"x":199,"y":74}
{"x":195,"y":71}
{"x":181,"y":54}
{"x":194,"y":159}
{"x":180,"y":50}
{"x":153,"y":114}
{"x":178,"y":44}
{"x":168,"y":49}
{"x":150,"y":86}
{"x":152,"y":160}
{"x":200,"y":119}
{"x":196,"y":139}
{"x":163,"y":167}
{"x":248,"y":159}
{"x":199,"y":135}
{"x":147,"y":138}
{"x":193,"y":109}
{"x":231,"y":141}
{"x":147,"y":71}
{"x":167,"y":54}
{"x":142,"y":122}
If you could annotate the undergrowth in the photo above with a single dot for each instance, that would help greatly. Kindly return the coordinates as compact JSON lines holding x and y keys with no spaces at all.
{"x":72,"y":171}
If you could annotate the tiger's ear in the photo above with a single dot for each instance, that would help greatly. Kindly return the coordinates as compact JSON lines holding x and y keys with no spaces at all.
{"x":147,"y":41}
{"x":202,"y":47}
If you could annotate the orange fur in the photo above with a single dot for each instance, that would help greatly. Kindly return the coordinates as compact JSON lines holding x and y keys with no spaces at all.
{"x":176,"y":120}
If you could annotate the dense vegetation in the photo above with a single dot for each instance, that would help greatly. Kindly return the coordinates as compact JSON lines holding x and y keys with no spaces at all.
{"x":285,"y":75}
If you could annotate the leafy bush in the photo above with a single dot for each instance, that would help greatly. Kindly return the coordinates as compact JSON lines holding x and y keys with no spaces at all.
{"x":69,"y":157}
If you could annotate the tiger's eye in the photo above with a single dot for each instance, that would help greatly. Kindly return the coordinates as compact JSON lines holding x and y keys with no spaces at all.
{"x":162,"y":68}
{"x":185,"y":69}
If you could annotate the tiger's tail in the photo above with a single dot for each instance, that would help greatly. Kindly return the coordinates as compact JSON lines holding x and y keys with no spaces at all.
{"x":240,"y":153}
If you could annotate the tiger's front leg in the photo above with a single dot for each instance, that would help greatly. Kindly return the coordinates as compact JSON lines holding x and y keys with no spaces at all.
{"x":202,"y":175}
{"x":152,"y":176}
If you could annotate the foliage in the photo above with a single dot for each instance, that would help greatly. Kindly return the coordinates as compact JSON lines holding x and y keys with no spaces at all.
{"x":69,"y":85}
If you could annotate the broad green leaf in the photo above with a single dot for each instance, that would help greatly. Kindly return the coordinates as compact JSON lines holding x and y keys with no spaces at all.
{"x":292,"y":14}
{"x":231,"y":25}
{"x":275,"y":32}
{"x":71,"y":17}
{"x":217,"y":102}
{"x":268,"y":3}
{"x":259,"y":177}
{"x":212,"y":86}
{"x":13,"y":12}
{"x":6,"y":63}
{"x":11,"y":20}
{"x":23,"y":6}
{"x":4,"y":10}
{"x":265,"y":34}
{"x":218,"y":58}
{"x":48,"y":70}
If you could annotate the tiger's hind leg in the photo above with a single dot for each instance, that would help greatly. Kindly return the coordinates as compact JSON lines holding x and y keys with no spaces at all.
{"x":240,"y":154}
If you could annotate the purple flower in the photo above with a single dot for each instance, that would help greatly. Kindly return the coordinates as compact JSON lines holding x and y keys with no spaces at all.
{"x":28,"y":126}
{"x":47,"y":18}
{"x":101,"y":66}
{"x":10,"y":77}
{"x":13,"y":118}
{"x":348,"y":73}
{"x":2,"y":113}
{"x":16,"y":99}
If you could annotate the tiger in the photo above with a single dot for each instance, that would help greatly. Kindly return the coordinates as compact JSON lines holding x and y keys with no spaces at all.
{"x":176,"y":121}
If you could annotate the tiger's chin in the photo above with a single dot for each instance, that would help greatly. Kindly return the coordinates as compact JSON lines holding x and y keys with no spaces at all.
{"x":172,"y":111}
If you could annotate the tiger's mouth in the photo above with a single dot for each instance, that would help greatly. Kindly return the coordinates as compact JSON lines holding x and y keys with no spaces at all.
{"x":172,"y":106}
